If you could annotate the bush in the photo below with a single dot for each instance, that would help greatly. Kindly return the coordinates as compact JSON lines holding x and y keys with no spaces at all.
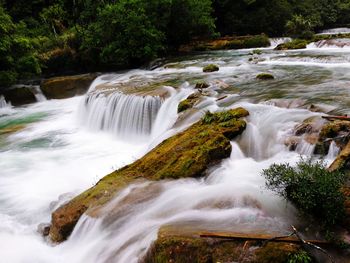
{"x":311,"y":188}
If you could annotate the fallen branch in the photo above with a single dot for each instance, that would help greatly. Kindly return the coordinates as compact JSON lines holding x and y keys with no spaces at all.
{"x":261,"y":237}
{"x":332,"y":118}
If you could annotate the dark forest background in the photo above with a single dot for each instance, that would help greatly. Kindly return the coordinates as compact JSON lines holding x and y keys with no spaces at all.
{"x":46,"y":37}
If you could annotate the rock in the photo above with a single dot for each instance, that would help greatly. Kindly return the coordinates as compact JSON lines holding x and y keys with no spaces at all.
{"x":338,"y":131}
{"x":201,"y":85}
{"x":180,"y":245}
{"x":19,"y":95}
{"x":44,"y":229}
{"x":210,"y":68}
{"x":189,"y":102}
{"x":265,"y":76}
{"x":342,"y":161}
{"x":294,"y":44}
{"x":67,"y":86}
{"x":187,"y":154}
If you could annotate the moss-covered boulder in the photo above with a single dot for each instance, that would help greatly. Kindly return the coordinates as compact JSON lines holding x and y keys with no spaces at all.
{"x":67,"y":86}
{"x":182,"y":247}
{"x":189,"y":102}
{"x":294,"y":44}
{"x":342,"y":161}
{"x":265,"y":76}
{"x":210,"y":68}
{"x":19,"y":95}
{"x":187,"y":154}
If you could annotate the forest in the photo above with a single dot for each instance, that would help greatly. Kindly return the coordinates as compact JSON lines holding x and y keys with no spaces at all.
{"x":53,"y":37}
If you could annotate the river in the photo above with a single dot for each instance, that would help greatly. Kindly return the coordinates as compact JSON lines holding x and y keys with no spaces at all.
{"x":67,"y":145}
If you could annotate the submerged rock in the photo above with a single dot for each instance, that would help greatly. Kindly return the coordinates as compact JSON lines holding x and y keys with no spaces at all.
{"x":187,"y":154}
{"x":180,"y":246}
{"x":265,"y":76}
{"x":67,"y":86}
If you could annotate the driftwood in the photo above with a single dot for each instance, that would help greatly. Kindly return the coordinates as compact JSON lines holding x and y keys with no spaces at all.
{"x":268,"y":238}
{"x":221,"y":98}
{"x":260,"y":237}
{"x":332,"y":118}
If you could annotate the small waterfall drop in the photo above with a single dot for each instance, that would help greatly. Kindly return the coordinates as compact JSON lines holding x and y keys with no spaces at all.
{"x":279,"y":40}
{"x":333,"y":151}
{"x":122,"y":114}
{"x":39,"y":96}
{"x":3,"y":103}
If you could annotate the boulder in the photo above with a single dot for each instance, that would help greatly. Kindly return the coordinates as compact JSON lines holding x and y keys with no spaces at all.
{"x":188,"y":154}
{"x":342,"y":161}
{"x":189,"y":102}
{"x":19,"y":95}
{"x":210,"y":68}
{"x":67,"y":86}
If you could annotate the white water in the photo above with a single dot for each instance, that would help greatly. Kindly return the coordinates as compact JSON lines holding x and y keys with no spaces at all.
{"x":127,"y":116}
{"x":279,"y":40}
{"x":333,"y":31}
{"x":3,"y":103}
{"x":39,"y":96}
{"x":58,"y":156}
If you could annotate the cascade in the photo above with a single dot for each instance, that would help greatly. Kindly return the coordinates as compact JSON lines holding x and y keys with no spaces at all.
{"x":3,"y":103}
{"x":279,"y":40}
{"x":122,"y":114}
{"x":39,"y":96}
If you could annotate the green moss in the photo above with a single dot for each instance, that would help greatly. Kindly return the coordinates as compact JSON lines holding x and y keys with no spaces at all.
{"x":210,"y":68}
{"x":184,"y":105}
{"x":265,"y":76}
{"x":249,"y":42}
{"x":294,"y":44}
{"x":334,"y":129}
{"x":189,"y":102}
{"x":187,"y":154}
{"x":187,"y":248}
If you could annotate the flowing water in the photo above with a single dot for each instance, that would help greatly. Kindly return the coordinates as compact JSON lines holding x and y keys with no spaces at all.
{"x":62,"y":147}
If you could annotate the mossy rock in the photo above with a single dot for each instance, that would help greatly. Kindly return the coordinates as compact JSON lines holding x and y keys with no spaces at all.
{"x":189,"y":102}
{"x":188,"y":247}
{"x":210,"y":68}
{"x":188,"y":154}
{"x":67,"y":86}
{"x":265,"y":76}
{"x":201,"y":85}
{"x":294,"y":44}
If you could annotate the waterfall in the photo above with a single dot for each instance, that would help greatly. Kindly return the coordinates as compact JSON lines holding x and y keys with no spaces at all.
{"x":124,"y":115}
{"x":39,"y":96}
{"x":279,"y":40}
{"x":330,"y":43}
{"x":3,"y":103}
{"x":333,"y":31}
{"x":333,"y":151}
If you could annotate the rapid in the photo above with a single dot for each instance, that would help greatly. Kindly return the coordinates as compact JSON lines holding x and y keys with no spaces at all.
{"x":66,"y":146}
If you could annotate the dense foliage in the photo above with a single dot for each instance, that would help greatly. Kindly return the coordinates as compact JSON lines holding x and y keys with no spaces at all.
{"x":311,"y":188}
{"x":63,"y":36}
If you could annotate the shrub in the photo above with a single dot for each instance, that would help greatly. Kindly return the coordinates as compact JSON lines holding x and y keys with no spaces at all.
{"x":313,"y":189}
